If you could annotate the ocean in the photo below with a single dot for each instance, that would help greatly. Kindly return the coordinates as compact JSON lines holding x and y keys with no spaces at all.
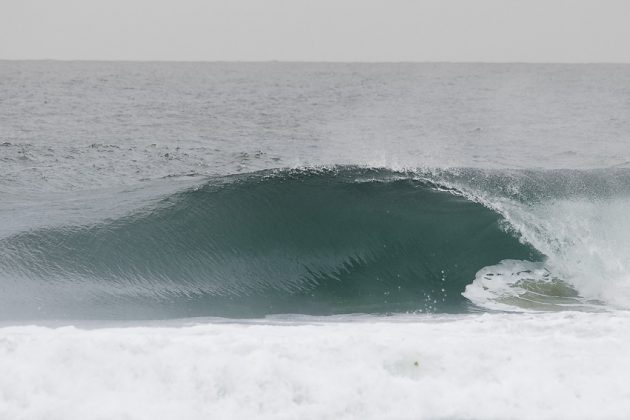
{"x":314,"y":240}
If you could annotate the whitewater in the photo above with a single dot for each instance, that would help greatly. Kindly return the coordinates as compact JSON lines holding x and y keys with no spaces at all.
{"x":284,"y":240}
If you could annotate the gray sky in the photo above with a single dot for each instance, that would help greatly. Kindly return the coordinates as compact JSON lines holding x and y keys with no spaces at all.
{"x":317,"y":30}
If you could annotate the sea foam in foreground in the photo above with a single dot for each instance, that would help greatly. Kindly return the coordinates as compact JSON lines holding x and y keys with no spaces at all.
{"x":543,"y":366}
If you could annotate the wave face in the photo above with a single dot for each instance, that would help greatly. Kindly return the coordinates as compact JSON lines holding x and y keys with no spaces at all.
{"x":340,"y":240}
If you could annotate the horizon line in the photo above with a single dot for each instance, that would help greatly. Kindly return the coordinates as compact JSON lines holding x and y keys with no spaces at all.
{"x":314,"y":61}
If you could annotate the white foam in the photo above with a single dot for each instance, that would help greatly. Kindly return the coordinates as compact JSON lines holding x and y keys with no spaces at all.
{"x":560,"y":365}
{"x":493,"y":285}
{"x":586,"y":241}
{"x":585,"y":235}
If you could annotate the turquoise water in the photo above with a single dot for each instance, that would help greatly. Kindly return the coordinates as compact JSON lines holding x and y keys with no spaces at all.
{"x":319,"y":242}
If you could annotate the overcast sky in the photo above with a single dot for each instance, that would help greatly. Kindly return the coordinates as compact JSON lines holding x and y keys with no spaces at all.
{"x":317,"y":30}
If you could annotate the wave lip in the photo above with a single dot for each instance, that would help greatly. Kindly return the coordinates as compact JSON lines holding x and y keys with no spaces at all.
{"x":326,"y":241}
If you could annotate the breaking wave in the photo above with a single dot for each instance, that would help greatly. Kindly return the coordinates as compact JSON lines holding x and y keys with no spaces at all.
{"x":327,"y":241}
